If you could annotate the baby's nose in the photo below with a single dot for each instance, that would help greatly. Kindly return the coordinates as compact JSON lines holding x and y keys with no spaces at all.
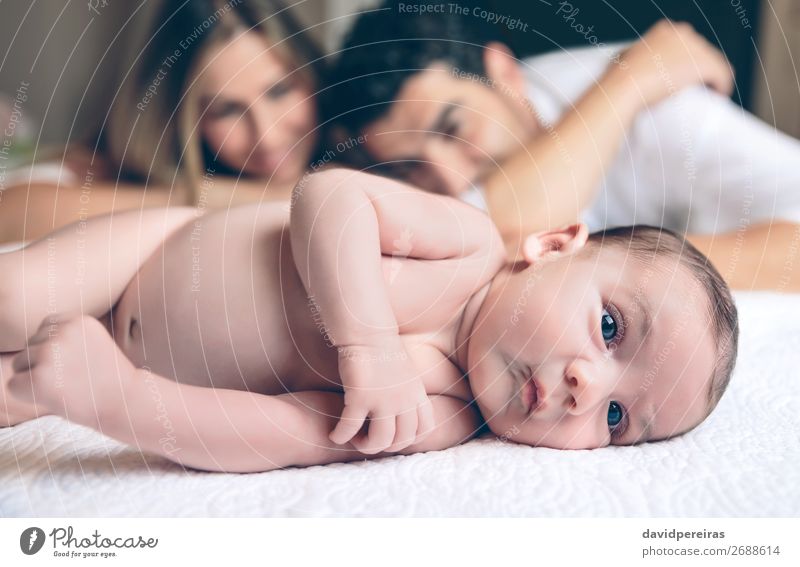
{"x":587,"y":386}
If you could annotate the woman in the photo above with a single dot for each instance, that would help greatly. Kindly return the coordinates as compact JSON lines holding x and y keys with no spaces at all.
{"x":217,"y":108}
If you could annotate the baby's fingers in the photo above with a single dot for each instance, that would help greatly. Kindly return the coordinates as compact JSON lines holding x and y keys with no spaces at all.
{"x":349,"y":423}
{"x":380,"y":436}
{"x":718,"y":73}
{"x":406,"y":431}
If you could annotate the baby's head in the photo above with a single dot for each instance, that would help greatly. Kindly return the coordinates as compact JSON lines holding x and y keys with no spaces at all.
{"x":621,"y":337}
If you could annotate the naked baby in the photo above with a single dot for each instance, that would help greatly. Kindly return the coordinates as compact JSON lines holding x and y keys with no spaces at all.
{"x":365,"y":320}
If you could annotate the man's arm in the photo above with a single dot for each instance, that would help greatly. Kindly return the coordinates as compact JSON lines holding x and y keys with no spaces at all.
{"x":81,"y":268}
{"x":550,"y":181}
{"x":760,"y":257}
{"x":553,"y":179}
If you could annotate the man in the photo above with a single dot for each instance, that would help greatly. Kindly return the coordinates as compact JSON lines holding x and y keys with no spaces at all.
{"x":611,"y":136}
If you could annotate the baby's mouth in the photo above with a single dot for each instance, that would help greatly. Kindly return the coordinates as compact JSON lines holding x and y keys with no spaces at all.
{"x":531,"y":393}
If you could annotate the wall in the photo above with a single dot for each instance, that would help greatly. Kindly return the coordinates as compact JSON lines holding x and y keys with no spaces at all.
{"x":777,"y":87}
{"x":56,"y":48}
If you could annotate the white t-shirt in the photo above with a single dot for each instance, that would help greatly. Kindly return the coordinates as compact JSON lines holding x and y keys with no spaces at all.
{"x":695,"y":162}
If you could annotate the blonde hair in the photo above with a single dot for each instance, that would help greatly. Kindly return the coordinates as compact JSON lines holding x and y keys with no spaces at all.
{"x":151,"y":130}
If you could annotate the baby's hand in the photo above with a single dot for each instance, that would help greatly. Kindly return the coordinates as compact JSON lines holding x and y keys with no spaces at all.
{"x":672,"y":56}
{"x":381,"y":383}
{"x":73,"y":368}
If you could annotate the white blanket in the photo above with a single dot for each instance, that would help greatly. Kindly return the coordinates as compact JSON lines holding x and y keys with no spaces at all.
{"x":743,"y":461}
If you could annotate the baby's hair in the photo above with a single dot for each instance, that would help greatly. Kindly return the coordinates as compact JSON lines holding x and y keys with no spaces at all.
{"x":650,"y":245}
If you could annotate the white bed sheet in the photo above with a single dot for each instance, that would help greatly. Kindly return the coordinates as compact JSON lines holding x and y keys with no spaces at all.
{"x":743,"y":461}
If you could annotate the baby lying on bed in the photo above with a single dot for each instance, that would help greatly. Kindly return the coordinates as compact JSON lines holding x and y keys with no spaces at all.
{"x":374,"y":319}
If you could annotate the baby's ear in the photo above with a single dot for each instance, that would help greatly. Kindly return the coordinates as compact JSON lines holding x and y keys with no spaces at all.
{"x":562,"y":242}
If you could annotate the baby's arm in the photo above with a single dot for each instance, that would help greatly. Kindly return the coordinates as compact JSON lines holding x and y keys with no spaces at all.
{"x":238,"y":431}
{"x":204,"y":428}
{"x":342,"y":222}
{"x":81,"y":268}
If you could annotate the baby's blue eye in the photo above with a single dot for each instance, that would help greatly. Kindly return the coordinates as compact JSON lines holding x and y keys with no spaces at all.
{"x":615,"y":414}
{"x":608,"y":326}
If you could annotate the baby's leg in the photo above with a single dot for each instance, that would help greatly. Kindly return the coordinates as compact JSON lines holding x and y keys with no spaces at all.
{"x":81,"y":268}
{"x":12,"y":410}
{"x":73,"y":368}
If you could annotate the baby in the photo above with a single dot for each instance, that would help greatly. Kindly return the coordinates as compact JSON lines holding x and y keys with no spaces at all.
{"x":366,"y":320}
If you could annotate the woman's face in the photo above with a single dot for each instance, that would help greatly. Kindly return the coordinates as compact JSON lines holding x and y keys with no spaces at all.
{"x":257,"y":116}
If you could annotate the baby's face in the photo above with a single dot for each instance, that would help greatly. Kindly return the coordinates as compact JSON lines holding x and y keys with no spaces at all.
{"x":559,"y":356}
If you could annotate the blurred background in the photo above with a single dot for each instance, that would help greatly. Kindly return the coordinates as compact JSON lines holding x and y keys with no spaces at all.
{"x":65,"y":58}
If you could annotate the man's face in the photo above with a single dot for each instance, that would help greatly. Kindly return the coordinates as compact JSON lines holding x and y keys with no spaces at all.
{"x":561,"y":355}
{"x":443,"y":132}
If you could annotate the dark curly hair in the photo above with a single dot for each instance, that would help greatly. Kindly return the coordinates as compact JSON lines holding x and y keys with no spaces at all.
{"x":389,"y":45}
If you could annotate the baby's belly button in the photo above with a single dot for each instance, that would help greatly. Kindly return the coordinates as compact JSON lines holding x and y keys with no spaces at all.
{"x":121,"y":322}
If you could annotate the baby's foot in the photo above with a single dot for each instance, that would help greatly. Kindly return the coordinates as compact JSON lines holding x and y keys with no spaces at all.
{"x":73,"y":368}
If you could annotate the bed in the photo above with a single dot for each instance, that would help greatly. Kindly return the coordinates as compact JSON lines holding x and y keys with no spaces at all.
{"x":743,"y":461}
